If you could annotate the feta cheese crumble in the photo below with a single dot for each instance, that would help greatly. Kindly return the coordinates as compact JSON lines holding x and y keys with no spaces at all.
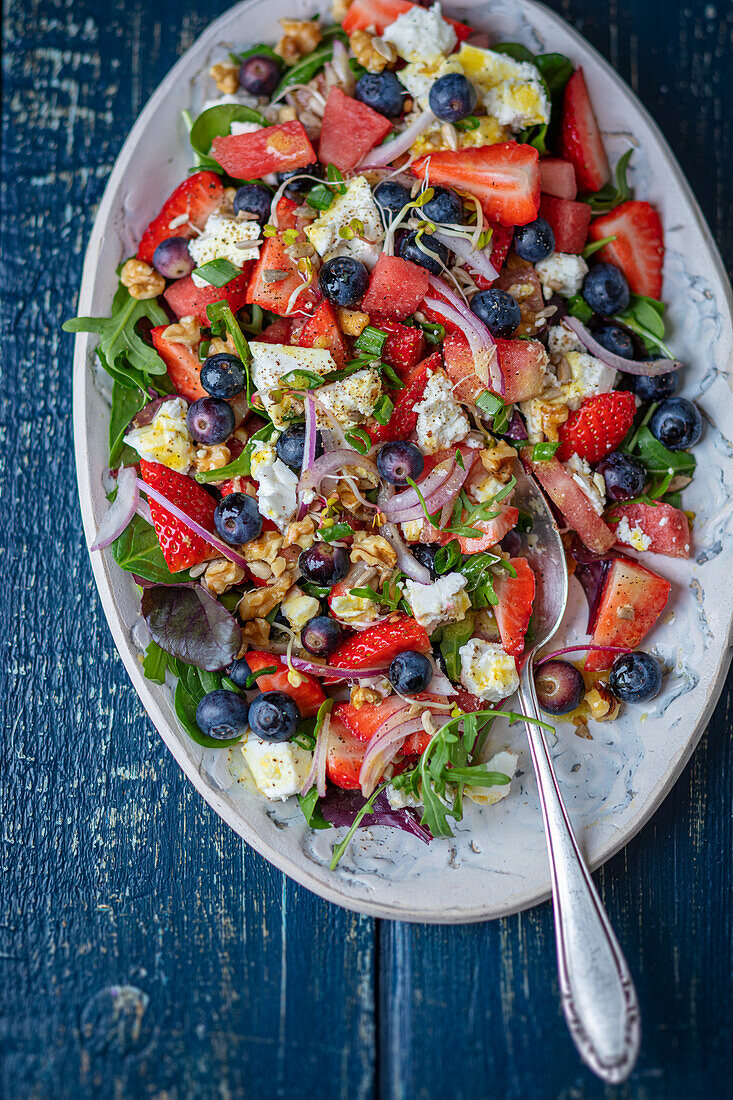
{"x":351,"y":400}
{"x":420,"y":34}
{"x":270,"y":362}
{"x":356,"y":202}
{"x":506,"y":764}
{"x":589,"y":377}
{"x":166,"y":439}
{"x":354,"y":611}
{"x":277,"y":495}
{"x":561,"y":273}
{"x":298,"y":608}
{"x":224,"y":238}
{"x":279,"y":769}
{"x":561,"y":340}
{"x":441,"y":420}
{"x":632,"y":536}
{"x":443,"y":601}
{"x":487,"y":671}
{"x":592,"y":485}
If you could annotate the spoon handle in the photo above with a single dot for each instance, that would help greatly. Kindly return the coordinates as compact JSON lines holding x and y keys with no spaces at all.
{"x":598,"y":995}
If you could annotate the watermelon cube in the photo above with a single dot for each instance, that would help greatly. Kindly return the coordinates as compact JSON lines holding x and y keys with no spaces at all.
{"x":396,"y":288}
{"x":656,"y":527}
{"x":188,"y":300}
{"x":350,"y":129}
{"x":557,"y":177}
{"x":276,"y":296}
{"x":631,"y":601}
{"x":184,"y":367}
{"x":569,"y":221}
{"x":522,"y":364}
{"x":271,"y":149}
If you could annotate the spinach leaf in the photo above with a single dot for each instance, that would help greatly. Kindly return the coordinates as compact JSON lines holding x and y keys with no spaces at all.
{"x":456,"y":635}
{"x":515,"y":50}
{"x":556,"y":70}
{"x":119,"y":344}
{"x":612,"y":194}
{"x":658,"y":460}
{"x":185,"y":707}
{"x":305,"y":69}
{"x":312,"y":812}
{"x":192,"y":625}
{"x":137,"y":551}
{"x":155,"y":663}
{"x":125,"y":403}
{"x":217,"y":122}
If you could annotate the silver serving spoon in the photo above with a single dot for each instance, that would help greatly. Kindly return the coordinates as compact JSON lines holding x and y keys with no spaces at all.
{"x":598,"y":995}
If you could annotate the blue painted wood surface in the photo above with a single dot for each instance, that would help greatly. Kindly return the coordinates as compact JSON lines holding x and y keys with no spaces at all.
{"x":144,"y":951}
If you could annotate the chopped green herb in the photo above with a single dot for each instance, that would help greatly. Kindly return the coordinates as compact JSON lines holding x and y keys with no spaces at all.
{"x":300,"y":379}
{"x":383,"y":410}
{"x":320,"y":197}
{"x":241,"y":466}
{"x":596,"y":246}
{"x":359,"y":439}
{"x":371,"y":342}
{"x":335,"y":533}
{"x":578,"y":307}
{"x":543,"y":452}
{"x":612,"y":194}
{"x":217,"y":272}
{"x":470,"y":122}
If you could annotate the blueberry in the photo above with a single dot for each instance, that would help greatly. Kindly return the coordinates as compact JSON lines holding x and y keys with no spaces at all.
{"x":343,"y":281}
{"x":274,"y":716}
{"x":255,"y":199}
{"x":425,"y":553}
{"x":615,"y":340}
{"x":410,"y":672}
{"x":677,"y":424}
{"x":290,"y":446}
{"x":391,"y":197}
{"x":260,"y":75}
{"x":560,"y":687}
{"x":445,"y":206}
{"x":428,"y":253}
{"x":535,"y":241}
{"x":452,"y":97}
{"x":382,"y":92}
{"x":398,"y":461}
{"x":635,"y":677}
{"x":222,"y":714}
{"x":656,"y":388}
{"x":236,"y":518}
{"x":498,"y":311}
{"x":172,"y":258}
{"x":299,"y":188}
{"x":321,"y":635}
{"x":324,"y":564}
{"x":210,"y":420}
{"x":239,"y":672}
{"x":605,"y":290}
{"x":625,"y":476}
{"x":223,"y":375}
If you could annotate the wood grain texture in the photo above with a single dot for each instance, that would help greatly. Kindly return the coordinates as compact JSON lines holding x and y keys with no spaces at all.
{"x":145,"y":951}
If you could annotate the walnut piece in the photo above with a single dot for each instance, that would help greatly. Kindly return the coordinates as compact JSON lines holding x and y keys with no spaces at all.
{"x":499,"y":460}
{"x":300,"y":37}
{"x":374,"y":60}
{"x":604,"y":706}
{"x":255,"y":633}
{"x":364,"y":696}
{"x":373,"y":549}
{"x":260,"y":601}
{"x":222,"y":574}
{"x":266,"y":548}
{"x":187,"y":331}
{"x":352,"y":321}
{"x":339,"y":9}
{"x":225,"y":75}
{"x":217,"y":346}
{"x":212,"y":458}
{"x":141,"y":280}
{"x":301,"y":533}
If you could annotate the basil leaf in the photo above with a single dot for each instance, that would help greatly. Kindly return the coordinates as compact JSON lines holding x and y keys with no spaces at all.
{"x":191,"y":625}
{"x":137,"y":551}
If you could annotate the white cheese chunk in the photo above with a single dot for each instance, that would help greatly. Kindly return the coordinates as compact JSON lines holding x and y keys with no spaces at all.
{"x":166,"y":439}
{"x":298,"y":608}
{"x":352,"y":399}
{"x":443,"y":601}
{"x":562,"y":273}
{"x":354,"y":611}
{"x":278,"y":484}
{"x":278,"y":769}
{"x":506,"y":764}
{"x":487,"y":671}
{"x":589,"y":377}
{"x":270,"y":362}
{"x":632,"y":536}
{"x":592,"y":485}
{"x":421,"y":33}
{"x":441,"y":421}
{"x":561,"y":340}
{"x":224,"y":238}
{"x":512,"y":91}
{"x":356,"y":203}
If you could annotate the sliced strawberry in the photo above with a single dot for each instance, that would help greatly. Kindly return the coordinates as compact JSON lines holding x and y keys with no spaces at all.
{"x":344,"y":756}
{"x":501,"y":241}
{"x":184,"y":366}
{"x":396,"y":288}
{"x":598,"y":426}
{"x":572,"y":503}
{"x":639,"y":246}
{"x":195,"y":199}
{"x":666,"y":528}
{"x":404,"y":347}
{"x":522,"y":364}
{"x":181,"y":547}
{"x":514,"y":610}
{"x":349,"y":130}
{"x":308,"y":694}
{"x":322,"y":331}
{"x":404,"y":418}
{"x":557,"y":177}
{"x":631,"y":601}
{"x":376,"y":15}
{"x":505,"y":178}
{"x":278,"y":148}
{"x":276,"y":296}
{"x":364,"y":722}
{"x":569,"y":222}
{"x":188,"y":300}
{"x":580,"y":138}
{"x":378,"y":645}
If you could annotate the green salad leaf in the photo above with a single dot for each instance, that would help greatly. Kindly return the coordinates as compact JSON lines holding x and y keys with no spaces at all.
{"x":122,"y":351}
{"x":137,"y":551}
{"x":125,"y":404}
{"x":613,"y":193}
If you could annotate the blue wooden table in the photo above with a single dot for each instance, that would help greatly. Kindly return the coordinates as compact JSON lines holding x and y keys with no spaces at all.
{"x":145,"y":950}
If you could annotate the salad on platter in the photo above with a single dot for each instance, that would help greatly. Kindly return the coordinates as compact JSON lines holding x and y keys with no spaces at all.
{"x":400,"y":268}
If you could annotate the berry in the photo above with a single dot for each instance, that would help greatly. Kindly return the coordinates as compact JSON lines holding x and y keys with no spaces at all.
{"x":452,"y":97}
{"x":514,"y":609}
{"x":635,"y":677}
{"x":560,"y":687}
{"x":180,"y":546}
{"x":321,"y":635}
{"x":343,"y":280}
{"x":237,"y":519}
{"x":656,"y":387}
{"x":382,"y":92}
{"x":425,"y":553}
{"x":639,"y":246}
{"x":290,"y":446}
{"x":255,"y":199}
{"x":172,"y":258}
{"x":324,"y":564}
{"x":274,"y":716}
{"x":498,"y":311}
{"x":210,"y":420}
{"x":222,"y":714}
{"x":260,"y":75}
{"x":223,"y":375}
{"x":625,"y":476}
{"x":300,"y":187}
{"x":379,"y":645}
{"x":580,"y":137}
{"x":535,"y":241}
{"x":605,"y":289}
{"x":677,"y":424}
{"x":615,"y":340}
{"x":598,"y":426}
{"x":398,"y":461}
{"x":239,"y":672}
{"x":410,"y":672}
{"x":505,"y":178}
{"x":429,"y":253}
{"x":390,"y":197}
{"x":445,"y":206}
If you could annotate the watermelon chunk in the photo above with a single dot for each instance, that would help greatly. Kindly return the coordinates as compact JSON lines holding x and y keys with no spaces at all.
{"x":271,"y":149}
{"x":184,"y":366}
{"x":522,"y":364}
{"x":641,"y":595}
{"x":569,"y":221}
{"x":188,"y":300}
{"x":404,"y":347}
{"x":573,"y":504}
{"x":378,"y":14}
{"x":322,"y":331}
{"x":666,"y":528}
{"x":557,"y":177}
{"x":396,"y":288}
{"x":276,"y":296}
{"x":350,"y":129}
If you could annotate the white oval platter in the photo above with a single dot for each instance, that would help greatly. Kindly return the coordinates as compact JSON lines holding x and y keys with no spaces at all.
{"x":496,"y":864}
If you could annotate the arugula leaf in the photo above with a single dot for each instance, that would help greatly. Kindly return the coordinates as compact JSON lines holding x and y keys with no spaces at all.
{"x":218,"y":272}
{"x":454,"y":636}
{"x":241,"y":466}
{"x":155,"y":662}
{"x":217,"y":122}
{"x":658,"y":460}
{"x":612,"y":194}
{"x":312,"y":812}
{"x":137,"y":551}
{"x":125,"y":404}
{"x":448,"y":557}
{"x":120,"y":346}
{"x":365,"y":809}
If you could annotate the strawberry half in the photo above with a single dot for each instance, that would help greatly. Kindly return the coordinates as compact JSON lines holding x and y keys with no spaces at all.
{"x":598,"y":426}
{"x":379,"y":645}
{"x":505,"y":178}
{"x":181,"y":547}
{"x":364,"y":722}
{"x":639,"y":246}
{"x":197,"y":197}
{"x":580,"y":137}
{"x":344,"y":756}
{"x":308,"y":694}
{"x":514,"y":610}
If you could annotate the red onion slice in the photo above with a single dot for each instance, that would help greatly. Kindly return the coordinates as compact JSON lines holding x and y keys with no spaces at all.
{"x":383,"y":748}
{"x":408,"y":498}
{"x":475,"y":258}
{"x":582,"y":649}
{"x":409,"y":565}
{"x":628,"y":366}
{"x":317,"y":772}
{"x":385,"y":154}
{"x":481,"y":343}
{"x":121,"y":511}
{"x":213,"y":540}
{"x":332,"y":673}
{"x":329,"y":465}
{"x":401,"y":510}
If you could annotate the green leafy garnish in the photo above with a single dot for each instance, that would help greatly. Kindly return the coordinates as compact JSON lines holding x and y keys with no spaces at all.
{"x":218,"y":272}
{"x":596,"y":246}
{"x":454,"y":636}
{"x":612,"y":194}
{"x":260,"y":50}
{"x":371,"y":342}
{"x":320,"y":197}
{"x":391,"y":594}
{"x":312,"y":812}
{"x":224,"y":322}
{"x":125,"y":404}
{"x":365,"y":809}
{"x":543,"y":452}
{"x":359,"y":439}
{"x":137,"y":550}
{"x":335,"y":533}
{"x":470,"y":122}
{"x":305,"y":69}
{"x":300,"y":379}
{"x":433,"y":330}
{"x":645,"y":317}
{"x":578,"y":307}
{"x":383,"y":410}
{"x":448,"y":557}
{"x":658,"y":460}
{"x":515,"y":50}
{"x":155,"y":663}
{"x":254,"y":676}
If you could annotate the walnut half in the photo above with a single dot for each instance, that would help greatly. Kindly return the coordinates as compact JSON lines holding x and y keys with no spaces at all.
{"x":141,"y":280}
